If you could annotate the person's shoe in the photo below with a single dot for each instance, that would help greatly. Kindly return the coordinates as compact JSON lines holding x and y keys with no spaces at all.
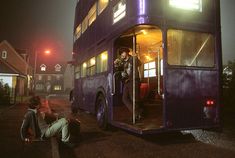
{"x":69,"y":144}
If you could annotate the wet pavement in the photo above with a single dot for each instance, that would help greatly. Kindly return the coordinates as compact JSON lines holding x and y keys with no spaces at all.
{"x":10,"y":142}
{"x":115,"y":143}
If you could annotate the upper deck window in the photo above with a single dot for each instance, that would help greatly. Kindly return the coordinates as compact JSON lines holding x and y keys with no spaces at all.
{"x":84,"y":24}
{"x":186,"y":48}
{"x":78,"y":32}
{"x":102,"y":4}
{"x":194,"y":5}
{"x":119,"y":11}
{"x":92,"y":14}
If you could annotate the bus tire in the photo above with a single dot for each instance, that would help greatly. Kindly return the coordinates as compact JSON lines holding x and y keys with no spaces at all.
{"x":101,"y":112}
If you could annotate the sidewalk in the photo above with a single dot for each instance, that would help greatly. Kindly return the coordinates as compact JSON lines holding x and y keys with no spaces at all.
{"x":10,"y":142}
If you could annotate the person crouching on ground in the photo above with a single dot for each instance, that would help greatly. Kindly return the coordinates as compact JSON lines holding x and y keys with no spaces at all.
{"x":32,"y":128}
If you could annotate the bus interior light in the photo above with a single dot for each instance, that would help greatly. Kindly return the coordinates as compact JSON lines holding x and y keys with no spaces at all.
{"x":195,"y":5}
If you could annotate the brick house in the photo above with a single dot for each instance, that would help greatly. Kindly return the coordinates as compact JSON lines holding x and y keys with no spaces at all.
{"x":49,"y":77}
{"x":14,"y":70}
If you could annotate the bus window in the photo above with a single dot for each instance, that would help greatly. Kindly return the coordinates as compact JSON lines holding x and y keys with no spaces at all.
{"x":187,"y":48}
{"x":84,"y":69}
{"x":102,"y":62}
{"x":78,"y":32}
{"x":92,"y":14}
{"x":102,"y":4}
{"x":91,"y":67}
{"x":84,"y":24}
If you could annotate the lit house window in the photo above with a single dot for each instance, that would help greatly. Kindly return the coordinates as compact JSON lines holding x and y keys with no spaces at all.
{"x":57,"y":88}
{"x":77,"y":72}
{"x":102,"y":4}
{"x":57,"y":68}
{"x":43,"y":67}
{"x":119,"y":11}
{"x":4,"y":54}
{"x":92,"y":14}
{"x":102,"y":62}
{"x":91,"y":67}
{"x":78,"y":32}
{"x":149,"y":69}
{"x":39,"y":77}
{"x":84,"y":69}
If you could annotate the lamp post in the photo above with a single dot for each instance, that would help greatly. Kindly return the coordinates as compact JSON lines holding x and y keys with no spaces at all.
{"x":35,"y":65}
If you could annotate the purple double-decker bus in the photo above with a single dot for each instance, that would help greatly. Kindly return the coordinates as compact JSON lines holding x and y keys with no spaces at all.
{"x":178,"y":43}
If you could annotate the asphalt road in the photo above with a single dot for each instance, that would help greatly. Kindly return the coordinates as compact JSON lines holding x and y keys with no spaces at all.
{"x":116,"y":143}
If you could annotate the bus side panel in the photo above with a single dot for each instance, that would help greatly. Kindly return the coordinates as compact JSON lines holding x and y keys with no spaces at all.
{"x":186,"y":95}
{"x":88,"y":87}
{"x":78,"y":93}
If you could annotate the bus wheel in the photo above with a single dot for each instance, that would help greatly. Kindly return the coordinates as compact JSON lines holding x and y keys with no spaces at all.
{"x":101,"y":112}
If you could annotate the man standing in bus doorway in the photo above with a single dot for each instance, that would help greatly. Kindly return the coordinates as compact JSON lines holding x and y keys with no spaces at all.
{"x":125,"y":65}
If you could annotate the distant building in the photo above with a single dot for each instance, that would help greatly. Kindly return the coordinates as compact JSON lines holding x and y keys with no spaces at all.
{"x":68,"y":78}
{"x":49,"y":77}
{"x":15,"y":70}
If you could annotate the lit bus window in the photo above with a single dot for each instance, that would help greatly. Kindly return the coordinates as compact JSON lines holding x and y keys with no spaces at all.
{"x":102,"y":4}
{"x":119,"y":11}
{"x":150,"y":69}
{"x":92,"y":14}
{"x":194,"y":5}
{"x":187,"y":48}
{"x":78,"y":32}
{"x":84,"y":24}
{"x":102,"y":62}
{"x":77,"y":72}
{"x":91,"y":67}
{"x":84,"y":69}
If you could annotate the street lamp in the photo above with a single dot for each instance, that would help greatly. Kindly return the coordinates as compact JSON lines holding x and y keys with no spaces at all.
{"x":35,"y":64}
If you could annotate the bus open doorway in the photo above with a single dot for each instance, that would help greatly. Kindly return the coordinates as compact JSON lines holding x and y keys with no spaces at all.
{"x":145,"y":45}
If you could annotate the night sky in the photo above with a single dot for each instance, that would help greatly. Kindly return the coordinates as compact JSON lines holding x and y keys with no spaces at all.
{"x":42,"y":24}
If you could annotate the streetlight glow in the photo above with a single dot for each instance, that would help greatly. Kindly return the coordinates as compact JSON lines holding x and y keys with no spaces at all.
{"x":47,"y":51}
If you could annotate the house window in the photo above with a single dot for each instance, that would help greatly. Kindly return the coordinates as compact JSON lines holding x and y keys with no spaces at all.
{"x":102,"y":62}
{"x":48,"y":78}
{"x":39,"y":87}
{"x":57,"y":77}
{"x":102,"y":4}
{"x":57,"y":88}
{"x":43,"y":67}
{"x":150,"y":69}
{"x":92,"y":14}
{"x":58,"y":68}
{"x":4,"y":54}
{"x":40,"y":77}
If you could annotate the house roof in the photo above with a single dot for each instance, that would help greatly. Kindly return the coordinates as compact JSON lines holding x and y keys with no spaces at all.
{"x":7,"y":68}
{"x":51,"y":67}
